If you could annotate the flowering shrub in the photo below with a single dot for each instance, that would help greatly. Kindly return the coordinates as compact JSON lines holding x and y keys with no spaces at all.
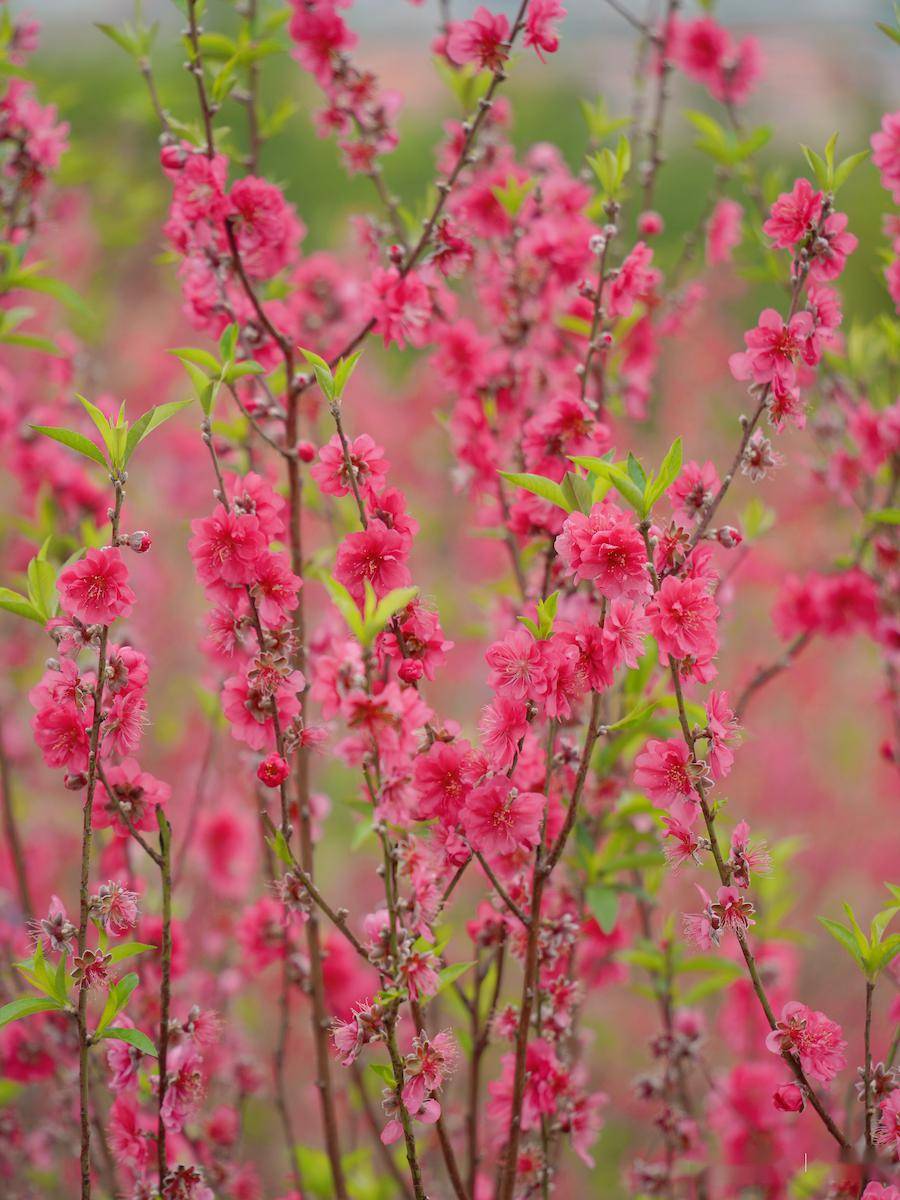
{"x":221,"y":1001}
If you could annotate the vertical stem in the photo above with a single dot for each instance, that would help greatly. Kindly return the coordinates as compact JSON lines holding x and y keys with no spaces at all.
{"x":867,"y":1070}
{"x":165,"y":875}
{"x":83,"y":892}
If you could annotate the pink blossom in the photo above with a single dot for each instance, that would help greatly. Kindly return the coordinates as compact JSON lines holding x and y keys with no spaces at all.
{"x":635,"y":280}
{"x":479,"y":40}
{"x":400,"y":306}
{"x":774,"y":349}
{"x":95,"y":589}
{"x":367,"y":462}
{"x":886,"y":153}
{"x":376,"y":554}
{"x":540,"y":27}
{"x":605,"y":546}
{"x":694,"y":489}
{"x":794,"y":214}
{"x":439,"y":781}
{"x":225,"y":548}
{"x":499,"y":819}
{"x":723,"y":231}
{"x":683,"y":618}
{"x":663,"y":770}
{"x":814,"y":1039}
{"x":722,"y":727}
{"x":503,"y":725}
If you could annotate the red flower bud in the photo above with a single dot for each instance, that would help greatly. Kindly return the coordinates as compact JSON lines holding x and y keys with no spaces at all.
{"x":272,"y":771}
{"x":411,"y":669}
{"x":788,"y":1098}
{"x":306,"y":451}
{"x":650,"y":224}
{"x":140,"y":541}
{"x":729,"y":537}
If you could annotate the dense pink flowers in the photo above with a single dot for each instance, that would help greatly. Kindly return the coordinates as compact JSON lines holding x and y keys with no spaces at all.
{"x":479,"y":40}
{"x":683,"y":618}
{"x":794,"y":214}
{"x":605,"y":547}
{"x":225,"y":549}
{"x":400,"y":307}
{"x":95,"y":589}
{"x":886,"y":153}
{"x":540,"y":25}
{"x":499,"y":819}
{"x":816,"y":1041}
{"x":723,"y":231}
{"x":377,"y":554}
{"x":774,"y":349}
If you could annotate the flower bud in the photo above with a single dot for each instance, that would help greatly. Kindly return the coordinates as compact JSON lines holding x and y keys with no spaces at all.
{"x":788,"y":1098}
{"x":306,"y":451}
{"x":729,"y":537}
{"x":140,"y":541}
{"x":272,"y":771}
{"x":75,"y":781}
{"x":650,"y":223}
{"x":411,"y":670}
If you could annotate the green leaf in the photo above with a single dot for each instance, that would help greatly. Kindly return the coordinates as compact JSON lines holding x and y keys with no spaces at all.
{"x":635,"y":717}
{"x":75,"y":441}
{"x":885,"y":516}
{"x":343,"y":371}
{"x":817,"y":166}
{"x":345,"y":604}
{"x":152,"y":419}
{"x":385,"y":1073}
{"x":539,"y":485}
{"x":26,"y":1006}
{"x":846,"y":168}
{"x":280,"y":848}
{"x":322,"y":372}
{"x":377,"y":619}
{"x":845,"y":936}
{"x":448,"y":975}
{"x":604,"y":904}
{"x":199,"y":358}
{"x":228,"y":343}
{"x":12,"y":602}
{"x":42,"y":587}
{"x":128,"y":950}
{"x":668,"y":473}
{"x":133,"y":1037}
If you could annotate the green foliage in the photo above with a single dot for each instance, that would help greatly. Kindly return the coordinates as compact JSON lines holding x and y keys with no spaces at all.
{"x":831,"y":177}
{"x":120,"y":439}
{"x":546,"y":612}
{"x":332,"y":384}
{"x":875,"y":952}
{"x":42,"y":601}
{"x":208,"y":373}
{"x":722,"y":145}
{"x":376,"y":614}
{"x":604,"y":905}
{"x":133,"y":1037}
{"x":512,"y":195}
{"x":116,"y":1000}
{"x":611,"y":168}
{"x":599,"y":123}
{"x":631,"y":481}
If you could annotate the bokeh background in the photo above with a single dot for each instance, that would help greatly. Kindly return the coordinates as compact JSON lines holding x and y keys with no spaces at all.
{"x":809,"y":772}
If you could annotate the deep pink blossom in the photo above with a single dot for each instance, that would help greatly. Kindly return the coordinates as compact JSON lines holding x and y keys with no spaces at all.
{"x":95,"y":589}
{"x":499,"y":819}
{"x":814,"y":1039}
